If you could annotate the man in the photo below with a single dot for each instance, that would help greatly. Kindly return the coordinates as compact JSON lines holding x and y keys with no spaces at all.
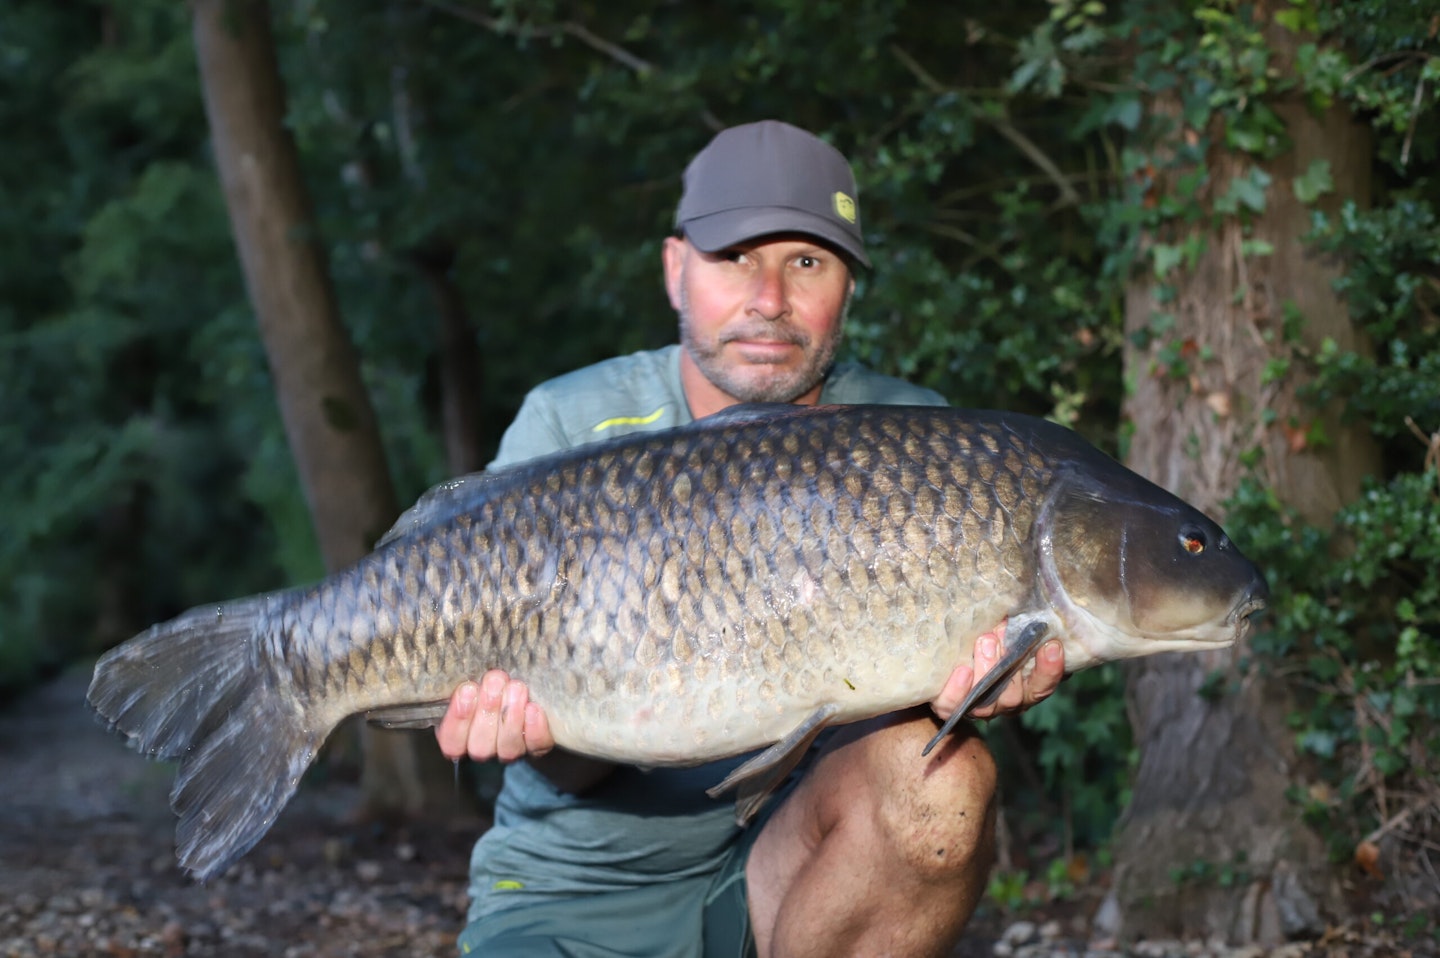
{"x":870,"y":849}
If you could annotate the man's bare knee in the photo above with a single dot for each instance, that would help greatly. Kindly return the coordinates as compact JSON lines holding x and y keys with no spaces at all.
{"x":943,"y":823}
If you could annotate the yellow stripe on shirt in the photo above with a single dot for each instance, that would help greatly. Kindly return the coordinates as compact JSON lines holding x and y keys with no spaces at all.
{"x":629,"y":420}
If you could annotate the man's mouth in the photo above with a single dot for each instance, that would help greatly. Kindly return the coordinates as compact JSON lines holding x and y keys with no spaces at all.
{"x":763,"y":350}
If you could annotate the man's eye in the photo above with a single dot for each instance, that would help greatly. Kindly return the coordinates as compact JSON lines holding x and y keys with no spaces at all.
{"x":734,"y":256}
{"x":808,"y":262}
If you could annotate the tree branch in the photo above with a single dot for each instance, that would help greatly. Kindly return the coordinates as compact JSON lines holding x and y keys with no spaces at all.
{"x":1002,"y":125}
{"x":568,"y":27}
{"x":1414,"y":120}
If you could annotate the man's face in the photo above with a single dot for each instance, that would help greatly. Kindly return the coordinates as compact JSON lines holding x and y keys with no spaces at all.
{"x":759,"y":321}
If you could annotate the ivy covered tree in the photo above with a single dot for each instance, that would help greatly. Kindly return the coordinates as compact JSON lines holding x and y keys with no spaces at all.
{"x":1261,"y":126}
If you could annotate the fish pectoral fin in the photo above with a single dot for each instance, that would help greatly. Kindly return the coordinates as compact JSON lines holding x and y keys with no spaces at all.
{"x":989,"y":686}
{"x":760,"y":776}
{"x":416,"y":716}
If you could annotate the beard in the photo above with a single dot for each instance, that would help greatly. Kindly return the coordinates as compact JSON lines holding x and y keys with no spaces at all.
{"x":761,"y":382}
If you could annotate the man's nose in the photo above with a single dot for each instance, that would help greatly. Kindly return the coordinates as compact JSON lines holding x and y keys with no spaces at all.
{"x":769,"y":297}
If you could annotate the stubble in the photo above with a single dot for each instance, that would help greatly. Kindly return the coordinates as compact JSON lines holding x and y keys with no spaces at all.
{"x":761,"y":382}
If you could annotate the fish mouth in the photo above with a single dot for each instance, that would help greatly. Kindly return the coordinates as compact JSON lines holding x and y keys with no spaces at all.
{"x":1255,"y":600}
{"x":1248,"y":608}
{"x":1242,"y":616}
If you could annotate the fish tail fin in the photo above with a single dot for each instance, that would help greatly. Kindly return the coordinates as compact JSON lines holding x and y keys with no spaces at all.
{"x":196,"y":689}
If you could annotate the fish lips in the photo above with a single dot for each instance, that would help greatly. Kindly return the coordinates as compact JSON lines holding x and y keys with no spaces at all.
{"x":1255,"y":601}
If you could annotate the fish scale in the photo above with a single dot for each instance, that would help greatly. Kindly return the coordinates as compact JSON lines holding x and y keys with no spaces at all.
{"x":681,"y":596}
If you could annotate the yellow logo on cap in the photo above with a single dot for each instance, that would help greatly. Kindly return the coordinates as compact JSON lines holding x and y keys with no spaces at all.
{"x":845,"y":206}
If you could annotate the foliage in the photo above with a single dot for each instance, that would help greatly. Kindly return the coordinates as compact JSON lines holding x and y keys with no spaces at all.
{"x":1392,"y":287}
{"x":1359,"y":623}
{"x":1363,"y":636}
{"x":118,"y":480}
{"x":1362,"y":620}
{"x":1065,"y":771}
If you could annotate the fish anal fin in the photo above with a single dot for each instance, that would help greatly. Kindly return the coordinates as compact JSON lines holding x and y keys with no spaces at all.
{"x":758,"y":778}
{"x":418,"y":715}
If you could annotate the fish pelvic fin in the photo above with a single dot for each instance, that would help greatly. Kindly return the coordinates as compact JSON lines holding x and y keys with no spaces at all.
{"x":195,"y":689}
{"x":755,"y":780}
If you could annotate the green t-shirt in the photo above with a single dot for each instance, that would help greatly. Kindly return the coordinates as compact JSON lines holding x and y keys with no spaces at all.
{"x":637,"y":827}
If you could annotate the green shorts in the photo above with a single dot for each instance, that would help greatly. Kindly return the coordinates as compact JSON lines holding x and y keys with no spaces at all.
{"x":702,"y":917}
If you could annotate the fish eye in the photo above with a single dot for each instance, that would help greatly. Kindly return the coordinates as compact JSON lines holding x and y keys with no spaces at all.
{"x":1192,"y":540}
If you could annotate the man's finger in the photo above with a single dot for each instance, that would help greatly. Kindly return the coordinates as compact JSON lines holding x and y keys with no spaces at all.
{"x":510,"y":733}
{"x":537,"y":730}
{"x":1049,"y":670}
{"x":957,"y":686}
{"x":486,"y":726}
{"x":988,"y":651}
{"x":453,"y":732}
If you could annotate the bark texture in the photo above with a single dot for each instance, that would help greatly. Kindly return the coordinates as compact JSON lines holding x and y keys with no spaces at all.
{"x":460,"y":372}
{"x":329,"y":421}
{"x":1211,"y":784}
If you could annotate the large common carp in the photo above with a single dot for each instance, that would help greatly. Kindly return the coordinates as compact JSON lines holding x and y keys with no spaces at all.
{"x":686,"y":595}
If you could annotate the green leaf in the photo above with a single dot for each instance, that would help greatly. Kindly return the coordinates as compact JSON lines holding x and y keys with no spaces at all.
{"x":1300,"y":18}
{"x":1246,"y":191}
{"x":1314,"y":183}
{"x":1166,"y":258}
{"x":1318,"y":743}
{"x":1125,"y":112}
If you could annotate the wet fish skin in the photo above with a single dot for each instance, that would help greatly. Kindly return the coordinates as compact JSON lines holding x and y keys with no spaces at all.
{"x":686,"y":595}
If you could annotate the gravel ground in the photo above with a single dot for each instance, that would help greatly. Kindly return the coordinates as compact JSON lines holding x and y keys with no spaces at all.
{"x":86,"y":869}
{"x":86,"y":862}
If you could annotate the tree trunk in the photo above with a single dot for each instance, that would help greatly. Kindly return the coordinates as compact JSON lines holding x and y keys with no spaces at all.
{"x":461,"y":372}
{"x":329,"y":421}
{"x":1210,"y":845}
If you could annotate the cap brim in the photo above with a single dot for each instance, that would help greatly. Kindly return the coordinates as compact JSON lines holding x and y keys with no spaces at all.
{"x":719,"y":231}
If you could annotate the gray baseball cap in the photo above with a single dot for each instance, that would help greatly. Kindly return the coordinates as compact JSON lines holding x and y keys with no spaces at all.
{"x":769,"y":177}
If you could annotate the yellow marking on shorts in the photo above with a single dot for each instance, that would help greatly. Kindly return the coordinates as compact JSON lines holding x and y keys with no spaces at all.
{"x":849,"y":684}
{"x":508,"y":884}
{"x":629,"y":420}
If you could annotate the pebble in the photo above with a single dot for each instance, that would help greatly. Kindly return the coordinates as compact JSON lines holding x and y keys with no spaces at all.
{"x":1020,"y":933}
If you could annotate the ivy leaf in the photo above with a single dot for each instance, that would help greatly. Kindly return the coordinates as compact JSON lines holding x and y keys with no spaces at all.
{"x":1247,"y":191}
{"x":1125,"y":111}
{"x":1318,"y":742}
{"x":1314,"y":182}
{"x":1166,"y":258}
{"x":1299,"y":19}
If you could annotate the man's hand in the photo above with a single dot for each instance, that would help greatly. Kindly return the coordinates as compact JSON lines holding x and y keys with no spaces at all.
{"x":1026,"y":687}
{"x":493,"y":719}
